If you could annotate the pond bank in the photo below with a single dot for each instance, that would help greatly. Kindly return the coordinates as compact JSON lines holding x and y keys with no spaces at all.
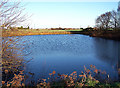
{"x":24,"y":33}
{"x":113,"y":35}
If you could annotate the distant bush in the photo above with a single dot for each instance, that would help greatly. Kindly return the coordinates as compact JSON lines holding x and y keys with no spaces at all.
{"x":23,"y":27}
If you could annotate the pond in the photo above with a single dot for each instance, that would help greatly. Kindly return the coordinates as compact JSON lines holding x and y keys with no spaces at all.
{"x":68,"y":53}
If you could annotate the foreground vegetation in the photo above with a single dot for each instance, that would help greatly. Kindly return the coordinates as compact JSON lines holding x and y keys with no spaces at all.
{"x":92,"y":77}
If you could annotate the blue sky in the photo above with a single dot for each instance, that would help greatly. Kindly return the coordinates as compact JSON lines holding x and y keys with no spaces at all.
{"x":66,"y":14}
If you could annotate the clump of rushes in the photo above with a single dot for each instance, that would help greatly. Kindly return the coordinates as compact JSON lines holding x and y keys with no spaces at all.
{"x":16,"y":81}
{"x":73,"y":80}
{"x":12,"y":62}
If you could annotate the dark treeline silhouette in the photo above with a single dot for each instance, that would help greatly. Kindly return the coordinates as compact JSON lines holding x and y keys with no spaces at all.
{"x":109,"y":19}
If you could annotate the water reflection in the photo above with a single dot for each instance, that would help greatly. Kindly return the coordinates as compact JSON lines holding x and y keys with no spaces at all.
{"x":108,"y":51}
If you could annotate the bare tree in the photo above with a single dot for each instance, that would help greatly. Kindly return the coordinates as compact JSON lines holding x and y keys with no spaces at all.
{"x":108,"y":20}
{"x":114,"y":21}
{"x":11,"y":13}
{"x":103,"y":21}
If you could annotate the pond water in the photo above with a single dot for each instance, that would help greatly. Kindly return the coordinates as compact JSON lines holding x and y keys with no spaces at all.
{"x":68,"y":53}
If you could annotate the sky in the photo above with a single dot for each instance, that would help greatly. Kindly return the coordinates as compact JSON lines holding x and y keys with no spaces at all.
{"x":67,"y":13}
{"x":70,"y":0}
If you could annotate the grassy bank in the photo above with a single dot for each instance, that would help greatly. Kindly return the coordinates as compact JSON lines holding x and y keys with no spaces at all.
{"x":23,"y":32}
{"x":107,"y":34}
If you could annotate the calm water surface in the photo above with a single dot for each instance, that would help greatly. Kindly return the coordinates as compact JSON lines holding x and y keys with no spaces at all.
{"x":68,"y":53}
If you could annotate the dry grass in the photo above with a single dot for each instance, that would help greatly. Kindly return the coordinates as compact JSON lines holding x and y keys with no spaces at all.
{"x":23,"y":32}
{"x":85,"y":79}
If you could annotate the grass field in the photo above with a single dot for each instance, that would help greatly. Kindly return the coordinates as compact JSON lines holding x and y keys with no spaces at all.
{"x":24,"y":32}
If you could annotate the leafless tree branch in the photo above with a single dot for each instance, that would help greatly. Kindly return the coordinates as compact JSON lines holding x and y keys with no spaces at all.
{"x":108,"y":20}
{"x":11,"y":13}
